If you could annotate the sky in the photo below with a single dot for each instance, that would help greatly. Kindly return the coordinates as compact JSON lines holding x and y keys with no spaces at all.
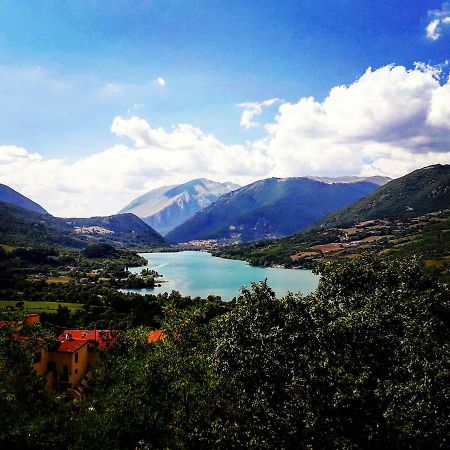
{"x":102,"y":101}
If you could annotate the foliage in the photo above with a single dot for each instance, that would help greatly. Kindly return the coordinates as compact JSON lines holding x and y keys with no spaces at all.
{"x":360,"y":363}
{"x":152,"y":395}
{"x":100,"y":251}
{"x":29,"y":418}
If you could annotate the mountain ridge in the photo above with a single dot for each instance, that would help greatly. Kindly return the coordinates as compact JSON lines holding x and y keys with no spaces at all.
{"x":380,"y":223}
{"x":273,"y":207}
{"x":421,"y":191}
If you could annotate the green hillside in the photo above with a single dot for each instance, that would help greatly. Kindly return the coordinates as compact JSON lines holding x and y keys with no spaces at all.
{"x":21,"y":227}
{"x":420,"y":192}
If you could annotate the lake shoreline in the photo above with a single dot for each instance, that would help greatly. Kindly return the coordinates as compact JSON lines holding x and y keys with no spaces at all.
{"x":199,"y":274}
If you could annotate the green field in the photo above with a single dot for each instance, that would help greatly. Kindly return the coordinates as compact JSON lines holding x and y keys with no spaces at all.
{"x":38,"y":307}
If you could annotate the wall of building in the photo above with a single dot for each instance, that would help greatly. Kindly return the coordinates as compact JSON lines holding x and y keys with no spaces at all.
{"x":76,"y":370}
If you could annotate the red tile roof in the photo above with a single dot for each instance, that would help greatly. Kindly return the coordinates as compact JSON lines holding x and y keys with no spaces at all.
{"x":70,"y":345}
{"x":104,"y":338}
{"x":156,"y":335}
{"x":4,"y":323}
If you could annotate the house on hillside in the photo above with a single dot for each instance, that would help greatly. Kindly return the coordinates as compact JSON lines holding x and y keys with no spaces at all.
{"x":75,"y":352}
{"x":65,"y":361}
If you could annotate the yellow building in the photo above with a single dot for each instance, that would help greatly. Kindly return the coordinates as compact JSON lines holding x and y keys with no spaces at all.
{"x":69,"y":361}
{"x":66,"y":361}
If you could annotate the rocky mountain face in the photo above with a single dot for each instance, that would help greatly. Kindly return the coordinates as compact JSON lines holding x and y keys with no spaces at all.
{"x":167,"y":207}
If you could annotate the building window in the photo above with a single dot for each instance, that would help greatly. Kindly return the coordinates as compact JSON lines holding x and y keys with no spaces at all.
{"x":76,"y":370}
{"x":37,"y":357}
{"x":76,"y":357}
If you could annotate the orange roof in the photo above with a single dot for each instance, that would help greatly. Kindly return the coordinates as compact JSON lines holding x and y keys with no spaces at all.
{"x":70,"y":345}
{"x":156,"y":335}
{"x":104,"y":338}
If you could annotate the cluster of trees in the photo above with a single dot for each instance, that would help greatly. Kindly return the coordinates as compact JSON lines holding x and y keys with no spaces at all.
{"x":20,"y":266}
{"x":361,"y":363}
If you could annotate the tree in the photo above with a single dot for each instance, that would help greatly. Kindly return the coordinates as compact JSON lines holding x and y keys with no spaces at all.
{"x":359,"y":364}
{"x":29,"y":417}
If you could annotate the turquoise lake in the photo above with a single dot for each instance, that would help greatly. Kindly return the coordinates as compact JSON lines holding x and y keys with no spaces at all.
{"x":201,"y":274}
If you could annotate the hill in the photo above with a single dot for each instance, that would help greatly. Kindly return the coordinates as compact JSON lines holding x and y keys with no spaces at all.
{"x":9,"y":195}
{"x":167,"y":207}
{"x":420,"y":192}
{"x":21,"y":227}
{"x":123,"y":229}
{"x":408,"y":216}
{"x":269,"y":208}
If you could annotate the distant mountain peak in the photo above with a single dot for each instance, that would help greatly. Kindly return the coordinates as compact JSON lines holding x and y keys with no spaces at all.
{"x":166,"y":207}
{"x":376,"y":179}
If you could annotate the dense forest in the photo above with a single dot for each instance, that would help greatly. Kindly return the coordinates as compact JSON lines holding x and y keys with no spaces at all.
{"x":360,"y":363}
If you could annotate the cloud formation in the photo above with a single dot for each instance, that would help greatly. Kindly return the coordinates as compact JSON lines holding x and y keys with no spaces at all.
{"x":252,"y":109}
{"x":160,"y":81}
{"x":440,"y":18}
{"x":389,"y":121}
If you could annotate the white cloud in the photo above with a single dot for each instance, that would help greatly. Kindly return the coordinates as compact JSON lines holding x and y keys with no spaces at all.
{"x":104,"y":182}
{"x":439,"y":19}
{"x":390,"y":121}
{"x":252,"y":109}
{"x":160,"y":81}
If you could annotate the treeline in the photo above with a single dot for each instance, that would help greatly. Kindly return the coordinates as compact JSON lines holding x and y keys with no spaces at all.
{"x":361,"y":363}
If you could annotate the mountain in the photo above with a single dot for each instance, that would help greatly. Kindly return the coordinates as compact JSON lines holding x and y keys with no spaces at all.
{"x":407,"y":216}
{"x":273,"y":207}
{"x":124,"y":229}
{"x":379,"y":180}
{"x":422,"y":191}
{"x":9,"y":195}
{"x":167,"y":207}
{"x":22,"y":227}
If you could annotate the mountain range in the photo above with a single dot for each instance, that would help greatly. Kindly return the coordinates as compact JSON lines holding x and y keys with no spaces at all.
{"x":407,"y":216}
{"x":270,"y":208}
{"x":169,"y":206}
{"x":265,"y":210}
{"x":22,"y":227}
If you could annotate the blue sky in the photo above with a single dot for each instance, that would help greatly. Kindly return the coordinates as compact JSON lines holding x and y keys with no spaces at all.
{"x":68,"y":69}
{"x":212,"y":54}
